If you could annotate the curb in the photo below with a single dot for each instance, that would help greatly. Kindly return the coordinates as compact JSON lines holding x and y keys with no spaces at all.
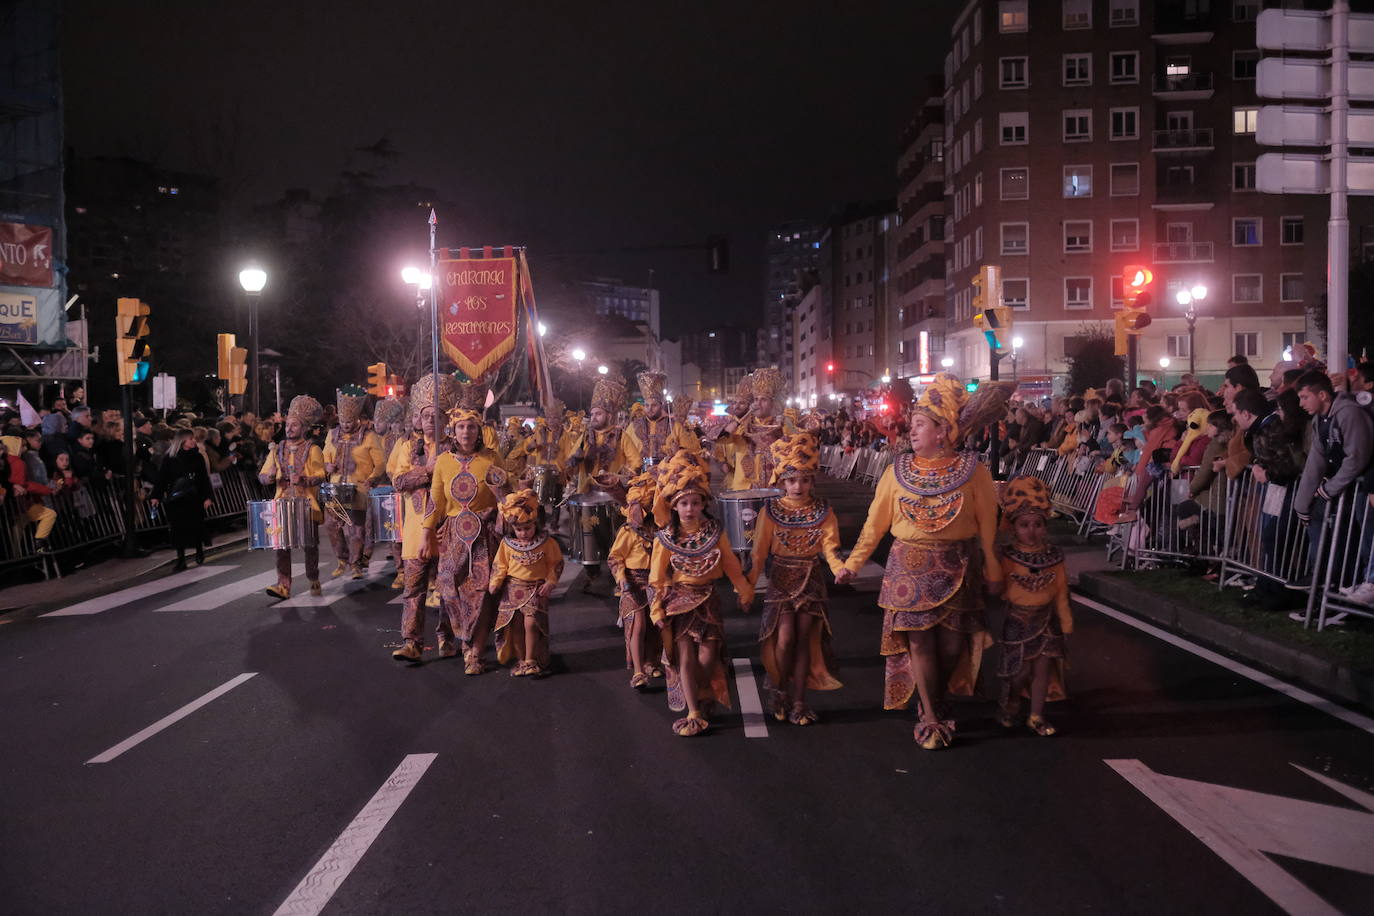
{"x":1310,"y":669}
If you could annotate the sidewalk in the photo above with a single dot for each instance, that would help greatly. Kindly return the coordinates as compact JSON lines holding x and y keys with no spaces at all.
{"x":108,"y":576}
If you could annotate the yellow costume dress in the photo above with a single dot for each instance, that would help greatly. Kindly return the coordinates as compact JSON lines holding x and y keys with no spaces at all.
{"x":521,"y":568}
{"x":1038,"y":613}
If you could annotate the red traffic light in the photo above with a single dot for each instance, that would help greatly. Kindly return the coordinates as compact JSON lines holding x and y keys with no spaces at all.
{"x":1137,"y":277}
{"x":829,"y":367}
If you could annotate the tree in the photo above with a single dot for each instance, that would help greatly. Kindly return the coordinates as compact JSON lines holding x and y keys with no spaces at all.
{"x":1093,"y":359}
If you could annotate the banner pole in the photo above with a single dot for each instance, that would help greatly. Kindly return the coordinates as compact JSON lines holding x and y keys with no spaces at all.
{"x":434,"y":319}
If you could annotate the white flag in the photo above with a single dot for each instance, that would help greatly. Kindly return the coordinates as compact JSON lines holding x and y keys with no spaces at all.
{"x":27,"y":415}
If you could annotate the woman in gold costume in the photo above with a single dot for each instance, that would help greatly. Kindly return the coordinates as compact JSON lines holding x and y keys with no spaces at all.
{"x":941,"y":507}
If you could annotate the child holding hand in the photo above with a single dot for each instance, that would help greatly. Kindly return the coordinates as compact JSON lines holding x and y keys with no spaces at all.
{"x":527,"y":566}
{"x":1038,"y":618}
{"x":629,"y":563}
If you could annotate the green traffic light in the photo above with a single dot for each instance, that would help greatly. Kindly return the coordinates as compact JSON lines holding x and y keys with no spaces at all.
{"x":141,"y":372}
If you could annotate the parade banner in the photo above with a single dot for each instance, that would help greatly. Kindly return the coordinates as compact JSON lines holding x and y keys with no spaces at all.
{"x":477,"y":311}
{"x":25,"y":255}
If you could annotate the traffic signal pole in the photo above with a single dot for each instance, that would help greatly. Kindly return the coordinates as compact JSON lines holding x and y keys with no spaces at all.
{"x":995,"y":441}
{"x":1132,"y":357}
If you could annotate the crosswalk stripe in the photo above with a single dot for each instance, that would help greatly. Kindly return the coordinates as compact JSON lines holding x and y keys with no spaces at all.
{"x":125,"y":596}
{"x":750,"y":706}
{"x":169,"y":720}
{"x":336,"y":589}
{"x":565,"y":581}
{"x":218,"y":597}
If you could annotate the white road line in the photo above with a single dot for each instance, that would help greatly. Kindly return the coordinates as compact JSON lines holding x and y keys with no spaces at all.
{"x":218,"y":597}
{"x":1259,"y":677}
{"x":565,"y":581}
{"x":334,"y":867}
{"x":755,"y":725}
{"x":174,"y":718}
{"x":335,"y":589}
{"x":139,"y":592}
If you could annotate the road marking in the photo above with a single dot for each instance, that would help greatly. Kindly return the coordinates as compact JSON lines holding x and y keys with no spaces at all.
{"x":755,"y":726}
{"x":1335,"y":710}
{"x":218,"y":597}
{"x":174,"y":718}
{"x":319,"y":885}
{"x":139,"y":592}
{"x":570,"y":572}
{"x":1245,"y":827}
{"x":869,"y":578}
{"x":335,"y":589}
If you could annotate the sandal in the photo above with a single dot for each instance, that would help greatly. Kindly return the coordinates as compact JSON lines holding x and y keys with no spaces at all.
{"x":695,"y":724}
{"x":802,"y":714}
{"x":1041,"y":726}
{"x":779,"y":705}
{"x":472,"y":664}
{"x":934,"y":735}
{"x":1008,"y":710}
{"x":654,"y":671}
{"x":639,"y":680}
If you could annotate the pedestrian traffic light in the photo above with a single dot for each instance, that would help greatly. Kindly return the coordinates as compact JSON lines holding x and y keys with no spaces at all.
{"x":131,"y":327}
{"x":1134,"y":316}
{"x":224,"y":343}
{"x":989,"y":315}
{"x":238,"y":368}
{"x":719,"y":249}
{"x":376,"y":380}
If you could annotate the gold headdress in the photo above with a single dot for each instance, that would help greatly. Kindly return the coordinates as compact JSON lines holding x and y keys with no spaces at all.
{"x":349,"y":401}
{"x":768,"y":383}
{"x":793,"y":415}
{"x":636,"y":410}
{"x":941,"y":401}
{"x":651,"y":385}
{"x":642,"y":492}
{"x":513,"y":424}
{"x":682,"y":473}
{"x":609,"y":394}
{"x":744,"y":389}
{"x":556,"y":411}
{"x":1025,"y":494}
{"x":471,"y":401}
{"x":389,"y":412}
{"x":520,"y":507}
{"x":795,"y":456}
{"x":682,"y":405}
{"x":305,"y":409}
{"x":422,"y":396}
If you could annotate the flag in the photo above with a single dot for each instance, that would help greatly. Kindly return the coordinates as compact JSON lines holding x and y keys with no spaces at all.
{"x":27,"y":415}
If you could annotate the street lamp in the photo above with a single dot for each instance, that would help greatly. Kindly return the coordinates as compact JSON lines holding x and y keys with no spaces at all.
{"x":603,"y":369}
{"x":886,"y":380}
{"x":1189,"y":298}
{"x":1016,"y":344}
{"x":947,"y":362}
{"x":579,"y":354}
{"x":253,"y":278}
{"x":543,"y":329}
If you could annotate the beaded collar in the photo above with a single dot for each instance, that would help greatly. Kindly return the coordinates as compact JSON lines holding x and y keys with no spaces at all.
{"x":1034,"y":560}
{"x":695,"y":544}
{"x":934,"y":478}
{"x":807,"y":516}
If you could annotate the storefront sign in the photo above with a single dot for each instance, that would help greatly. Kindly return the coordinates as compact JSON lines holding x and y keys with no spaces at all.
{"x":18,"y":318}
{"x":25,"y":255}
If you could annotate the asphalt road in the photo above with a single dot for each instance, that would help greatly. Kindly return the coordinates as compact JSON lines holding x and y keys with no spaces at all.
{"x":334,"y":777}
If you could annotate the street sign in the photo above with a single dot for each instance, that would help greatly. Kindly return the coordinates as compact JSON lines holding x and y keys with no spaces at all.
{"x":1310,"y":173}
{"x":1301,"y":30}
{"x":1290,"y":125}
{"x":164,"y":392}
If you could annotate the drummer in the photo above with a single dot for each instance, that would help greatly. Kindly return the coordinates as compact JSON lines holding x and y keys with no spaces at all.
{"x":468,"y":482}
{"x":388,"y":422}
{"x":655,"y":436}
{"x":353,"y":457}
{"x":747,"y":441}
{"x":718,"y":429}
{"x":296,"y":466}
{"x":411,"y":467}
{"x":596,"y":462}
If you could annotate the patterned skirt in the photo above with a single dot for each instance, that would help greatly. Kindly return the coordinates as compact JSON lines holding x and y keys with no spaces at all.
{"x":1030,"y":633}
{"x":694,"y":615}
{"x":796,"y":586}
{"x":928,"y":584}
{"x":464,"y":573}
{"x":635,"y":597}
{"x":520,"y":599}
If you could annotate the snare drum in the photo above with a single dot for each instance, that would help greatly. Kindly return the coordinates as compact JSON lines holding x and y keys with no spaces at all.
{"x":739,"y":512}
{"x":281,"y":524}
{"x":547,"y":484}
{"x":595,"y":518}
{"x":386,"y":514}
{"x":345,"y":494}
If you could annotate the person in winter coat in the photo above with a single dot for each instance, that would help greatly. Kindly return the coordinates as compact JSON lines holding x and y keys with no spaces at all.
{"x":26,"y":496}
{"x":183,"y":490}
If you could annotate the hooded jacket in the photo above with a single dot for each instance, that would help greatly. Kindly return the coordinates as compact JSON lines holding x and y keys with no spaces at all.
{"x":1342,"y":443}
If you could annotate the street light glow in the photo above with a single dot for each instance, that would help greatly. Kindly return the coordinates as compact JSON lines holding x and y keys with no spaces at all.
{"x":887,"y":380}
{"x":1184,"y":297}
{"x":579,"y":354}
{"x":602,"y":369}
{"x":947,"y":361}
{"x":410,"y":275}
{"x":1164,"y":362}
{"x":252,"y":279}
{"x":1017,"y":343}
{"x":543,"y":329}
{"x":1199,"y":292}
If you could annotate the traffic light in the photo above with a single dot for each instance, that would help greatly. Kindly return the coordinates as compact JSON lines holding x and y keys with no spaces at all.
{"x":238,"y":368}
{"x":1134,"y":316}
{"x":376,"y":380}
{"x":395,"y":386}
{"x":830,"y":368}
{"x":719,"y":249}
{"x":224,"y":343}
{"x":971,"y":385}
{"x":989,"y":315}
{"x":131,"y":327}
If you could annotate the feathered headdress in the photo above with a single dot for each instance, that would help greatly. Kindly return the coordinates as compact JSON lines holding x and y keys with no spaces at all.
{"x":651,"y":385}
{"x":682,"y":473}
{"x":422,"y":396}
{"x":389,"y":412}
{"x":349,"y":401}
{"x":1025,"y":494}
{"x":305,"y":409}
{"x":520,"y":507}
{"x":768,"y":383}
{"x":985,"y":406}
{"x":795,"y":456}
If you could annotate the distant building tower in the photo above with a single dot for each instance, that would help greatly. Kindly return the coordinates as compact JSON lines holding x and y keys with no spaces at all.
{"x":793,"y":252}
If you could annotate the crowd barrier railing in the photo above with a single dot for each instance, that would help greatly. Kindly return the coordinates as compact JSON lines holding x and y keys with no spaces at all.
{"x":1343,"y":533}
{"x":1262,"y":536}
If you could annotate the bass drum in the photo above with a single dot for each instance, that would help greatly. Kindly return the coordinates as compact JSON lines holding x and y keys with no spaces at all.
{"x":595,"y":519}
{"x":739,"y":513}
{"x":385,"y":516}
{"x":281,"y":524}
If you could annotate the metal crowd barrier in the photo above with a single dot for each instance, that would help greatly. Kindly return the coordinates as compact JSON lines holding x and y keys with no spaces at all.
{"x":1342,"y":556}
{"x":1262,"y":536}
{"x":93,"y":514}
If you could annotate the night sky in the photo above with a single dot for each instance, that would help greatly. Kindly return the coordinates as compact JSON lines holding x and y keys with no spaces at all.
{"x":568,"y":127}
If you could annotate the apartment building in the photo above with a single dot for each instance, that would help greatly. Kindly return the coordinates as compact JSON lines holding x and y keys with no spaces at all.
{"x":1082,"y":136}
{"x":793,"y":254}
{"x":859,"y":291}
{"x":918,"y":333}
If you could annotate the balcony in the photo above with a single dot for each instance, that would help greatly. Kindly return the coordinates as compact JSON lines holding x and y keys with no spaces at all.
{"x":1190,"y":140}
{"x":1183,"y":252}
{"x":1181,"y":87}
{"x":1183,"y":22}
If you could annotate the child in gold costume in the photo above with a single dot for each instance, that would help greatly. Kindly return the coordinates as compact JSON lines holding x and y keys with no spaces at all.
{"x":527,"y":567}
{"x":941,"y":508}
{"x":1038,"y":604}
{"x":793,"y":533}
{"x":691,"y":552}
{"x":629,"y":561}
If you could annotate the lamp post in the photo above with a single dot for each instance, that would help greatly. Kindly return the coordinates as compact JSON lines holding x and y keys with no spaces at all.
{"x":580,"y":355}
{"x":1016,"y":344}
{"x":1189,"y":298}
{"x":1164,"y":362}
{"x":422,"y":281}
{"x":253,"y":279}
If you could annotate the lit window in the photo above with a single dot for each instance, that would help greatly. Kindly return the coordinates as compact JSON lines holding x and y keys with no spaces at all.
{"x":1015,"y":184}
{"x":1012,"y":16}
{"x":1078,"y":181}
{"x":1244,"y":120}
{"x":1245,"y":231}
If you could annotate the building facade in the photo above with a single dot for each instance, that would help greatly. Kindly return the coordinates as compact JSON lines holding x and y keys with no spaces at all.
{"x":1085,"y":136}
{"x":793,"y":252}
{"x":810,"y":346}
{"x":860,"y":293}
{"x":919,"y":331}
{"x":612,"y":296}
